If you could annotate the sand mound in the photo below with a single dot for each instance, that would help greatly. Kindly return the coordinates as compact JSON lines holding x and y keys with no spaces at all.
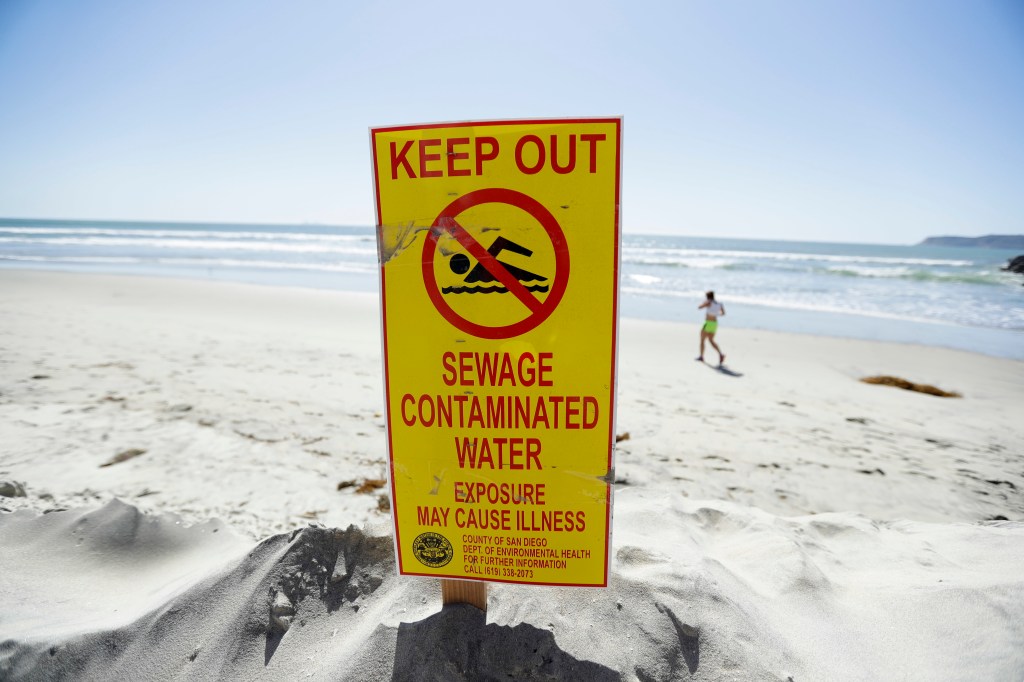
{"x":703,"y":591}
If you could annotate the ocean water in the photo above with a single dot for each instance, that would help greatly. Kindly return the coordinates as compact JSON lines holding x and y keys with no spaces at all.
{"x":954,"y":297}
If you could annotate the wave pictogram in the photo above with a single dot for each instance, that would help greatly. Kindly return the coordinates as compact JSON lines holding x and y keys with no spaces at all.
{"x":497,"y":289}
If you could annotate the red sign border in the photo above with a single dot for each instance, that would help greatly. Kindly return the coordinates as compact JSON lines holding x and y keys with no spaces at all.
{"x":616,"y":225}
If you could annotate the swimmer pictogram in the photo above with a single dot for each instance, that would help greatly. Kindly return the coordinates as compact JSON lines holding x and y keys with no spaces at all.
{"x":537,"y":295}
{"x":460,"y":265}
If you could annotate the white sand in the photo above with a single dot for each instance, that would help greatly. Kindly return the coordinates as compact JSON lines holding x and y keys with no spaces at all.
{"x":787,"y":522}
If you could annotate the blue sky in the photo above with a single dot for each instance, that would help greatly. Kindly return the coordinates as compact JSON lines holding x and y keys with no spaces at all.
{"x":833,"y":121}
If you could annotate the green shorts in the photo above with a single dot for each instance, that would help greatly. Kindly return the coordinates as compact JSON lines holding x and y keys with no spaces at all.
{"x":711,"y":326}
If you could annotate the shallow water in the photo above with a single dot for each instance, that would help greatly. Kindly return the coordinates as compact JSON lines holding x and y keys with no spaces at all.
{"x":954,"y":297}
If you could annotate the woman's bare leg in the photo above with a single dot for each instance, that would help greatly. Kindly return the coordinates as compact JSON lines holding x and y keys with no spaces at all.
{"x":721,"y":355}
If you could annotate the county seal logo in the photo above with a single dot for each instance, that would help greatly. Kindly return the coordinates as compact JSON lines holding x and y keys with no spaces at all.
{"x":432,"y":549}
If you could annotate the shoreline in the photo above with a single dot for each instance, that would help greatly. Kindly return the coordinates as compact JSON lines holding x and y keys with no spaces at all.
{"x":989,"y":341}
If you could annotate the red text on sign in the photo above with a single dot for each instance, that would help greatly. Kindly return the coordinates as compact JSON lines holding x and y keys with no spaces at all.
{"x":432,"y":516}
{"x":427,"y":158}
{"x":469,"y":492}
{"x":532,"y":154}
{"x":461,"y":156}
{"x":498,"y":453}
{"x":501,"y":411}
{"x":496,"y":369}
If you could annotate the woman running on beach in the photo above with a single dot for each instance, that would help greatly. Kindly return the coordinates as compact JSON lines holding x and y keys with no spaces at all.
{"x":707,"y":332}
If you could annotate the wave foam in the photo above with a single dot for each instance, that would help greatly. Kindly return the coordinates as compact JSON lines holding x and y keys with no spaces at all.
{"x":201,"y":244}
{"x":669,"y":256}
{"x":200,"y":234}
{"x":350,"y":267}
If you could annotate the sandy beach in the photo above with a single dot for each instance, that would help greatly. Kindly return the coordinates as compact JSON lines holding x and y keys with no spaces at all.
{"x":196,"y":490}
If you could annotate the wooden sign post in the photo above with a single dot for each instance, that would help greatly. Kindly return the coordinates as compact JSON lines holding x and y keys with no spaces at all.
{"x":469,"y":592}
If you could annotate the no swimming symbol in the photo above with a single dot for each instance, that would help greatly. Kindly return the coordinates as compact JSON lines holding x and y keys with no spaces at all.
{"x":491,"y":275}
{"x":460,"y":264}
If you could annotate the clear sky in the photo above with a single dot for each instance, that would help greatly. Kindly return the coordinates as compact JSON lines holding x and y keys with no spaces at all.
{"x":870,"y":121}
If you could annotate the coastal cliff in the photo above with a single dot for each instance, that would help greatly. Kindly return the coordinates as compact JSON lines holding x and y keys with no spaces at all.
{"x":990,"y":241}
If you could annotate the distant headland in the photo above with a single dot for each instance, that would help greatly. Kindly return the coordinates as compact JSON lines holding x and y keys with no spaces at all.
{"x":989,"y":241}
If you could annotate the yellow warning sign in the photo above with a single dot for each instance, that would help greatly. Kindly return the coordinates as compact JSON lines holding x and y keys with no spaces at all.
{"x":499,"y":252}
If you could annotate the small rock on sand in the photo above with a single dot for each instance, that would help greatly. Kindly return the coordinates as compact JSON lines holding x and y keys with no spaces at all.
{"x":12,"y":489}
{"x":340,"y":571}
{"x":281,"y":612}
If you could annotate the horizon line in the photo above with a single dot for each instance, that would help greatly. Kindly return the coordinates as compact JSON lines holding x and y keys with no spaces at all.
{"x":370,"y":226}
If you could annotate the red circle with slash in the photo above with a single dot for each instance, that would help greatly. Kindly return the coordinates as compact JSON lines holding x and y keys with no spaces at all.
{"x":446,"y":222}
